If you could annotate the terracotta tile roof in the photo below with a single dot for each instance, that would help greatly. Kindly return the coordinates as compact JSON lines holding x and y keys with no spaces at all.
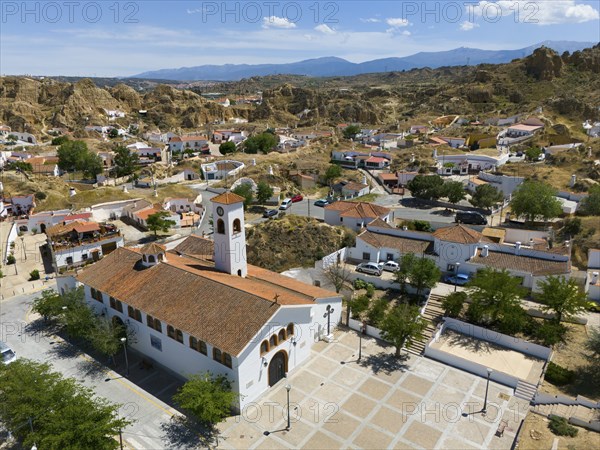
{"x":227,"y":198}
{"x":354,"y":186}
{"x":528,"y":264}
{"x":223,"y":315}
{"x":85,"y":227}
{"x":459,"y":234}
{"x":358,"y":209}
{"x":80,"y":227}
{"x":197,"y":247}
{"x":380,"y":223}
{"x":388,"y":176}
{"x":478,"y":181}
{"x":153,"y":249}
{"x":404,"y":245}
{"x":137,"y":205}
{"x":145,"y":213}
{"x":375,"y":159}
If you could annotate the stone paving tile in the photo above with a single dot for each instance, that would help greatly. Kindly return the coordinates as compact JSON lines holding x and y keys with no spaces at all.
{"x":342,"y":425}
{"x":374,"y":389}
{"x":331,"y":392}
{"x":403,"y":401}
{"x":446,"y":395}
{"x":452,"y":443}
{"x":401,"y":444}
{"x":340,"y":353}
{"x":306,"y":381}
{"x":359,"y":405}
{"x":422,"y":435}
{"x":299,"y":431}
{"x":428,"y":369}
{"x":389,"y":420}
{"x":323,"y":365}
{"x":415,"y":384}
{"x":473,"y":430}
{"x":348,"y":376}
{"x":457,"y":379}
{"x":244,"y":435}
{"x":369,"y":437}
{"x":320,"y":440}
{"x":271,"y":443}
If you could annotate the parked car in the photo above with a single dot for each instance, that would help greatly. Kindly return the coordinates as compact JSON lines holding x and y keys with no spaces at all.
{"x":391,"y":266}
{"x":322,"y":202}
{"x":7,"y":355}
{"x":297,"y":198}
{"x":460,"y":279}
{"x":286,"y":203}
{"x":270,"y":213}
{"x":470,"y":217}
{"x":370,"y":267}
{"x":593,"y":306}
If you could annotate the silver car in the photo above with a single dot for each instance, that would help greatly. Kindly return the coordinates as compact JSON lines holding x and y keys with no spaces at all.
{"x":391,"y":266}
{"x":7,"y":355}
{"x":370,"y":267}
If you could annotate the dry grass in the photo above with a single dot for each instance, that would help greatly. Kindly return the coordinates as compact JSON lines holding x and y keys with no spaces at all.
{"x":537,"y":426}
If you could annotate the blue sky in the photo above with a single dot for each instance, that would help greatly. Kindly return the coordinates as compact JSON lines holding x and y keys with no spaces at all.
{"x":120,"y":38}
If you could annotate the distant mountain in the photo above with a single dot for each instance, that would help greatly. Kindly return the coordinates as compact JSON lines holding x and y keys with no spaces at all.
{"x":332,"y":66}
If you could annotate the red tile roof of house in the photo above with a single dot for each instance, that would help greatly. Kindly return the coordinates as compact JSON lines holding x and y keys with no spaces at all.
{"x":358,"y":209}
{"x":460,"y":234}
{"x":375,"y":159}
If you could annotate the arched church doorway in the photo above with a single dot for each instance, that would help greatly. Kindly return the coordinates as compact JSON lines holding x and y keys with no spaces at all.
{"x":278,"y":367}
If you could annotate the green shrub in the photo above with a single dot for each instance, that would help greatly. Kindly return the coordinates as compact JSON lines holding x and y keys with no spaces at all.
{"x":360,"y":284}
{"x":453,"y":303}
{"x":10,"y":259}
{"x":39,"y":195}
{"x":370,"y":290}
{"x":34,"y":231}
{"x":560,"y":427}
{"x":34,"y":275}
{"x":558,"y":375}
{"x":358,"y":305}
{"x":550,"y":332}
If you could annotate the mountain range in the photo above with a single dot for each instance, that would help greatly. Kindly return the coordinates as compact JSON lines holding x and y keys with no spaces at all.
{"x":333,"y":66}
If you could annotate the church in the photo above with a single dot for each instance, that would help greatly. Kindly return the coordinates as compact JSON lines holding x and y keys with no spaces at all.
{"x":201,"y":307}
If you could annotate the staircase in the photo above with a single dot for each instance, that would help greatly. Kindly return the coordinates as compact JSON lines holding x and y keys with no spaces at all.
{"x":567,"y":411}
{"x":525,"y":390}
{"x":434,"y":313}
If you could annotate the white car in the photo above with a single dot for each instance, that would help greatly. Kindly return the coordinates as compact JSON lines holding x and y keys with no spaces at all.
{"x":285,"y":204}
{"x":7,"y":355}
{"x":391,"y":266}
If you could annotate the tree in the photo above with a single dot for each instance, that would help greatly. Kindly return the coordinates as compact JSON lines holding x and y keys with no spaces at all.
{"x":92,"y":166}
{"x":21,"y":166}
{"x":535,"y":199}
{"x":590,"y":205}
{"x":49,"y":305}
{"x":34,"y":275}
{"x":227,"y":147}
{"x":333,"y":171}
{"x":71,"y":155}
{"x":402,"y":326}
{"x":245,"y":190}
{"x":453,"y":303}
{"x":113,"y":133}
{"x":263,"y":192}
{"x":357,"y":305}
{"x":561,"y":297}
{"x":351,"y":131}
{"x":533,"y":153}
{"x":207,"y":397}
{"x":125,"y":161}
{"x":571,"y":227}
{"x":486,"y":196}
{"x":454,"y":191}
{"x":426,"y":187}
{"x":593,"y":348}
{"x":264,"y":142}
{"x":424,"y":274}
{"x":338,"y":274}
{"x":403,"y":273}
{"x":496,"y":295}
{"x":105,"y":337}
{"x":62,"y":413}
{"x":158,"y":222}
{"x":59,"y":140}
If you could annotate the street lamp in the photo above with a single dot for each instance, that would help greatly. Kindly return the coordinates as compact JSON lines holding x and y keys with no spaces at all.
{"x":363,"y":330}
{"x":455,"y":275}
{"x":124,"y":341}
{"x":484,"y":409}
{"x":328,"y":316}
{"x":23,"y":247}
{"x":288,"y":388}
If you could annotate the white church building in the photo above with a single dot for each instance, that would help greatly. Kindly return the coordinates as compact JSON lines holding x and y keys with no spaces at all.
{"x":202,"y":307}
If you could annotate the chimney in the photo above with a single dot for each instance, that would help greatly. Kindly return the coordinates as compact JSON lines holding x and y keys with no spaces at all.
{"x":573,"y":180}
{"x":531,"y":242}
{"x":517,"y":247}
{"x":485,"y":251}
{"x":594,"y":279}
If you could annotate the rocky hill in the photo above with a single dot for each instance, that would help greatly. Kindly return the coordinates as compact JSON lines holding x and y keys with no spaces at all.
{"x":565,"y":85}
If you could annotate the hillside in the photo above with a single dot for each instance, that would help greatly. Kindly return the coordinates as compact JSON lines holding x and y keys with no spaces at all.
{"x":567,"y":87}
{"x":293,"y":241}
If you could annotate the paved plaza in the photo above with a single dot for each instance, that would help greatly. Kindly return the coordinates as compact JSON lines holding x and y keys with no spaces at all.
{"x":379,"y":402}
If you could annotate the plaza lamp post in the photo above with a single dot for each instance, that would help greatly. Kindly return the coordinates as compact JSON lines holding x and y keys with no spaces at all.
{"x":327,"y":315}
{"x":363,"y":330}
{"x":124,"y":341}
{"x":288,"y":388}
{"x":487,"y":385}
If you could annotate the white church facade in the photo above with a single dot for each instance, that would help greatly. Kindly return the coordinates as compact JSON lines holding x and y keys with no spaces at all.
{"x":200,"y":307}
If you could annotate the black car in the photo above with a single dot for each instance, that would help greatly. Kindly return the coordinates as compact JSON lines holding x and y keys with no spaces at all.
{"x":470,"y":217}
{"x":270,"y":213}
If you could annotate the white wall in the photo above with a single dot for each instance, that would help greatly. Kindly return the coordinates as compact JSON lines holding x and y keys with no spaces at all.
{"x":103,"y":212}
{"x":77,"y":252}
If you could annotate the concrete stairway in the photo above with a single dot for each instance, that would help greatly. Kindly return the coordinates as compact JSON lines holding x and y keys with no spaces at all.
{"x":434,"y":313}
{"x":567,"y":411}
{"x":525,"y":390}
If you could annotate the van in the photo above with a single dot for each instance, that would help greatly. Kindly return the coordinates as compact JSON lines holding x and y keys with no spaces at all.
{"x":286,"y":203}
{"x":470,"y":217}
{"x":7,"y":355}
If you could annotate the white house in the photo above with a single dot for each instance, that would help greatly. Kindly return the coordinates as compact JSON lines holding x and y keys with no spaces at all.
{"x":193,"y":142}
{"x":220,"y":170}
{"x":235,"y":136}
{"x":592,"y":284}
{"x":200,"y":307}
{"x":354,"y":189}
{"x":522,"y":129}
{"x":77,"y":243}
{"x":505,"y":184}
{"x":181,"y":205}
{"x":354,"y":215}
{"x":458,"y":247}
{"x":449,"y":164}
{"x":454,"y":142}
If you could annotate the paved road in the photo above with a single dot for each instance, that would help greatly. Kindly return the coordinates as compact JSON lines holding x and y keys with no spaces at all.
{"x":153,"y":427}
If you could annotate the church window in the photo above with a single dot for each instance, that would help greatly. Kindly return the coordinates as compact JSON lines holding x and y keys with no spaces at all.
{"x":290,"y":329}
{"x":281,"y":335}
{"x":273,"y":341}
{"x":220,"y":226}
{"x":237,"y":226}
{"x":264,"y":348}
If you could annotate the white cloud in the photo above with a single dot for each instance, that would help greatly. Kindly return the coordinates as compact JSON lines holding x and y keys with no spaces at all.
{"x":406,"y":33}
{"x":277,"y":22}
{"x":325,"y":29}
{"x":468,"y":26}
{"x":370,"y":20}
{"x":397,"y":22}
{"x":540,"y":12}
